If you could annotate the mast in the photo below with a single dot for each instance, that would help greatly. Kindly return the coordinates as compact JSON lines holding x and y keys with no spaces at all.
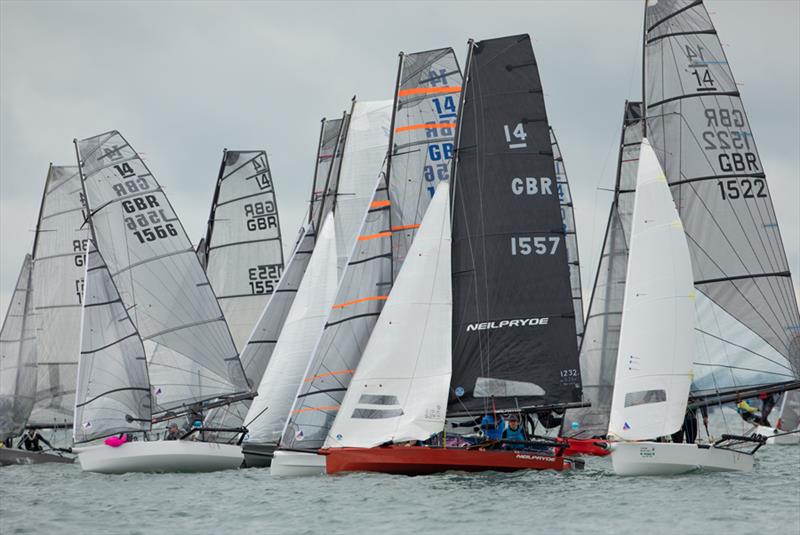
{"x":214,"y":200}
{"x":454,"y":163}
{"x":316,"y":165}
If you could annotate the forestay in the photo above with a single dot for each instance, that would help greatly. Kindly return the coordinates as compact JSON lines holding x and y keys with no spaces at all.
{"x":261,"y":344}
{"x":654,"y":363}
{"x":426,"y":109}
{"x":514,"y":339}
{"x":190,"y":353}
{"x":600,"y":344}
{"x":400,"y":389}
{"x":58,"y":268}
{"x":17,"y":357}
{"x":359,"y":300}
{"x":699,"y":129}
{"x":570,"y":235}
{"x":243,"y":247}
{"x":268,"y":412}
{"x":113,"y":394}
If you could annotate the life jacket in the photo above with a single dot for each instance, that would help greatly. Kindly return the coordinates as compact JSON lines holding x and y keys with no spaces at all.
{"x":514,"y":434}
{"x":490,"y":430}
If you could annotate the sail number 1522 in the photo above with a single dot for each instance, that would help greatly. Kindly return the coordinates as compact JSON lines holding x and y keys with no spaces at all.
{"x":538,"y":245}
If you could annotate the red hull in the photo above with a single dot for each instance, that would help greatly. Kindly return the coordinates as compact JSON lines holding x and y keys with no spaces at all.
{"x":578,"y":446}
{"x":418,"y":460}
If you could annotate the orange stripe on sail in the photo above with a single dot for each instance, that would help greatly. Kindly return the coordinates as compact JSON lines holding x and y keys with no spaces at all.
{"x":424,"y":125}
{"x":363,"y":299}
{"x":373,"y":236}
{"x":340,"y":372}
{"x":323,"y":408}
{"x":404,"y":227}
{"x":380,"y":204}
{"x":428,"y":90}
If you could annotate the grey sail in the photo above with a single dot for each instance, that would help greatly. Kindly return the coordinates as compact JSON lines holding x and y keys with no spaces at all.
{"x":598,"y":353}
{"x":17,"y":357}
{"x":243,"y":248}
{"x":697,"y":124}
{"x":426,"y":108}
{"x":570,"y":234}
{"x":190,"y":352}
{"x":423,"y":123}
{"x":58,"y":268}
{"x":259,"y":348}
{"x":113,"y":394}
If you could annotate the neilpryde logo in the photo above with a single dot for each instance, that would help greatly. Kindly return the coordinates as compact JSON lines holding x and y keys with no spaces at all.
{"x":488,"y":325}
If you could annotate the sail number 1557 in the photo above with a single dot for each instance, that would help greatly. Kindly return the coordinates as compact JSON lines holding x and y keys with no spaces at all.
{"x":538,"y":245}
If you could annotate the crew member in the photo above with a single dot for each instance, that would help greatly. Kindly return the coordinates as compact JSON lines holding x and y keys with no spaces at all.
{"x":746,"y":411}
{"x":513,"y":432}
{"x":30,"y":438}
{"x":173,"y":433}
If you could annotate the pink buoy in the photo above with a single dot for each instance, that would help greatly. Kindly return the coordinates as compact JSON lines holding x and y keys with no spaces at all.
{"x":115,"y":441}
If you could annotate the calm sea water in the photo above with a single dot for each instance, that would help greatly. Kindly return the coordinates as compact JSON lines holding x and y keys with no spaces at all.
{"x":60,"y":499}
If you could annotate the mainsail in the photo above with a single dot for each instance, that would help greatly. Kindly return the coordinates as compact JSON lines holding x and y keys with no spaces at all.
{"x":696,"y":122}
{"x":514,"y":339}
{"x":190,"y":353}
{"x":423,"y":123}
{"x":243,"y":250}
{"x":58,"y":267}
{"x":17,"y":357}
{"x":259,"y":348}
{"x":570,"y":234}
{"x":600,"y":344}
{"x":113,"y":387}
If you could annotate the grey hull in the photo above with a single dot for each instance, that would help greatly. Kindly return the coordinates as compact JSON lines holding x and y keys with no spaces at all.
{"x":9,"y":456}
{"x":258,"y":455}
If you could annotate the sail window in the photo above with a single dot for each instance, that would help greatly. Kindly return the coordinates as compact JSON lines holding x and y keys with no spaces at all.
{"x":377,"y":399}
{"x":376,"y":414}
{"x":644,"y":397}
{"x":487,"y":387}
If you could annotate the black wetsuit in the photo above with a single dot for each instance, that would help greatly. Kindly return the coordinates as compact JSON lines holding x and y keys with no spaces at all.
{"x":689,"y":429}
{"x":31,"y":441}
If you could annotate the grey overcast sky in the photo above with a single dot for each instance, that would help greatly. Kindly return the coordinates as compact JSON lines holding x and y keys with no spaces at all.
{"x":182,"y":80}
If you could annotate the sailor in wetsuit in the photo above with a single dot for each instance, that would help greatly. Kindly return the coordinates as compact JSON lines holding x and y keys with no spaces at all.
{"x":30,"y":438}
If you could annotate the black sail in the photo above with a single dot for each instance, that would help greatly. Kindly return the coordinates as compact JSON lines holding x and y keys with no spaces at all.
{"x":513,"y":317}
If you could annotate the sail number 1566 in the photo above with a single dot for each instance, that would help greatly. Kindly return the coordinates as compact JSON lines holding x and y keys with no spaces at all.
{"x":538,"y":245}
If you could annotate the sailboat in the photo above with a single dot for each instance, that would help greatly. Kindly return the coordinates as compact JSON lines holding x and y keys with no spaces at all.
{"x":466,"y":330}
{"x":363,"y":156}
{"x":52,"y":313}
{"x":743,"y":338}
{"x":242,"y":248}
{"x":155,"y":346}
{"x":421,"y":141}
{"x":262,"y":340}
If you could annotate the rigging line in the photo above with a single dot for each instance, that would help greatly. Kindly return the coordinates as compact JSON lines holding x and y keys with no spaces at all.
{"x":790,"y":375}
{"x":744,"y":348}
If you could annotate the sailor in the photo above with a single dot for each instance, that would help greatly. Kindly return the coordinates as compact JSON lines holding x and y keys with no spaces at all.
{"x":31,"y":438}
{"x":768,"y":402}
{"x":173,"y":433}
{"x":513,"y":432}
{"x":746,"y":411}
{"x":688,"y":430}
{"x":196,"y":425}
{"x":492,"y":426}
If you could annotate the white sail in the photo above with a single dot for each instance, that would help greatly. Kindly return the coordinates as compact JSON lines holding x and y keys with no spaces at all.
{"x":399,"y":391}
{"x":315,"y":296}
{"x":17,"y":357}
{"x":789,"y":419}
{"x":58,"y":268}
{"x":364,"y":152}
{"x":113,"y":390}
{"x":191,"y":355}
{"x":243,"y":250}
{"x":654,"y":362}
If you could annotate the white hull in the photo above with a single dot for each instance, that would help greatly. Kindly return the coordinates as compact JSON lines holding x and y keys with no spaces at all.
{"x":767,"y":432}
{"x":297,"y":463}
{"x":664,"y":458}
{"x":159,"y":456}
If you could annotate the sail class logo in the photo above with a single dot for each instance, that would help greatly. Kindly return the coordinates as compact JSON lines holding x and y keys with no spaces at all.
{"x":626,"y":427}
{"x":527,"y":322}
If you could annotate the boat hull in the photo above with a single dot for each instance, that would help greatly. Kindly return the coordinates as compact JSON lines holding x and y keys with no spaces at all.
{"x":418,"y":460}
{"x":664,"y":458}
{"x":10,"y":456}
{"x":578,"y":446}
{"x":783,"y":440}
{"x":258,"y":455}
{"x":159,"y":456}
{"x":297,"y":463}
